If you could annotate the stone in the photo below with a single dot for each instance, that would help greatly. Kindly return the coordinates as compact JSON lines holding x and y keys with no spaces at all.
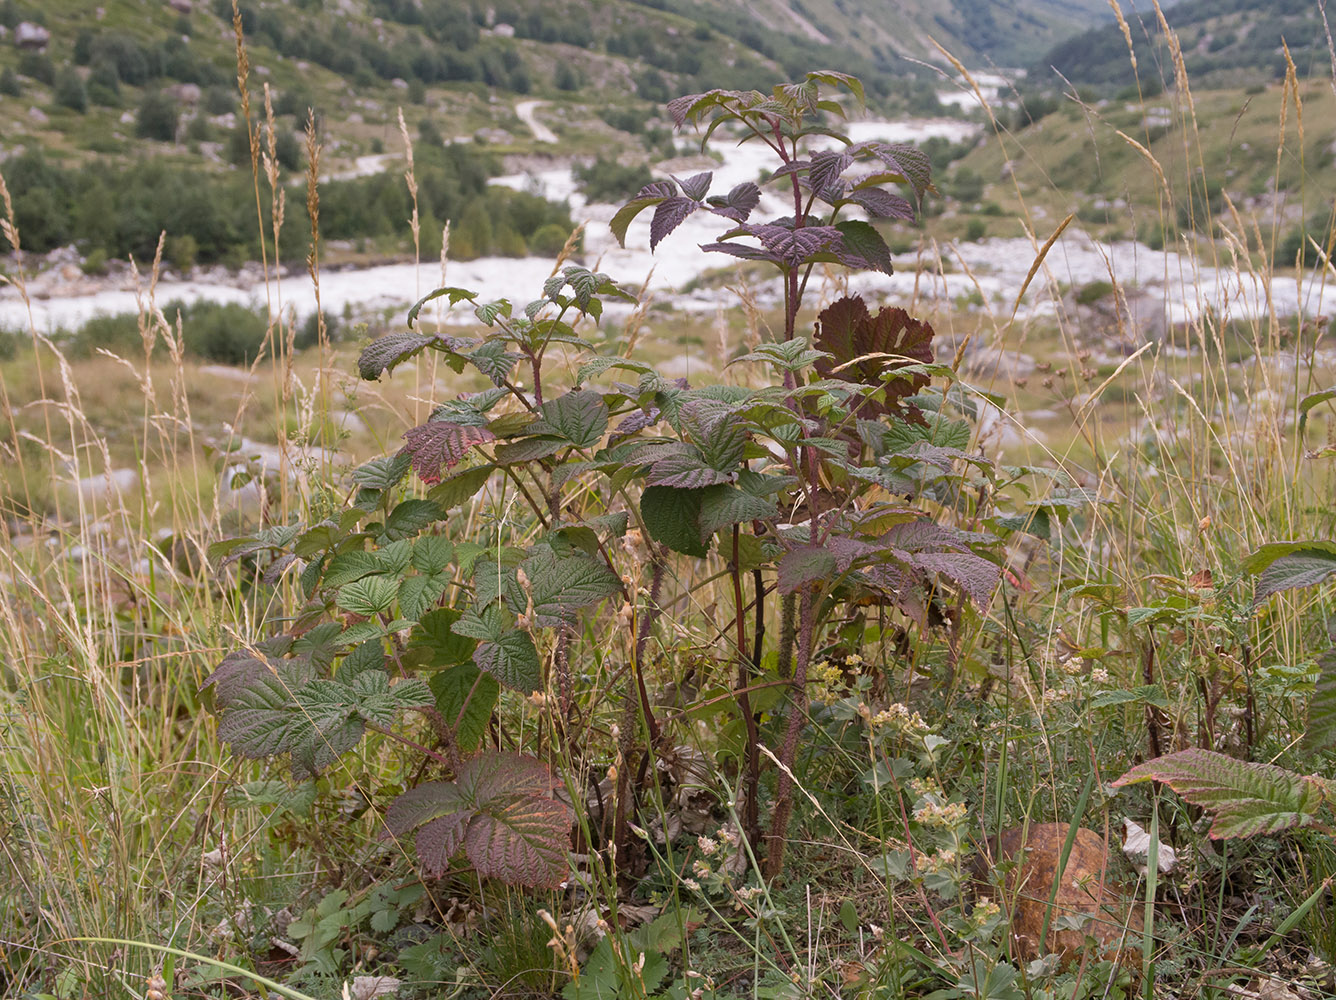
{"x":114,"y":482}
{"x":38,"y":115}
{"x":32,"y":37}
{"x":182,"y":6}
{"x":1087,"y":891}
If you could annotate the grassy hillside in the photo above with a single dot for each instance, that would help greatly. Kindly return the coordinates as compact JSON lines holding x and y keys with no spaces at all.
{"x":978,"y":32}
{"x":1224,"y":43}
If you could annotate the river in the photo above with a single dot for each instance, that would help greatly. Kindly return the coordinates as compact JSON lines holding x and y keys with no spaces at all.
{"x":992,"y":268}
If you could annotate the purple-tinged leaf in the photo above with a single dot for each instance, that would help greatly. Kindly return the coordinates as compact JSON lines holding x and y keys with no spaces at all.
{"x":1244,"y":799}
{"x":806,"y":565}
{"x":437,"y":444}
{"x":500,"y":809}
{"x":670,"y":214}
{"x":739,"y":203}
{"x":651,"y":194}
{"x":383,"y":354}
{"x":827,"y":166}
{"x":975,"y":575}
{"x":696,"y":186}
{"x":633,"y":423}
{"x":439,"y":839}
{"x":905,"y":163}
{"x":882,"y":204}
{"x":863,"y":348}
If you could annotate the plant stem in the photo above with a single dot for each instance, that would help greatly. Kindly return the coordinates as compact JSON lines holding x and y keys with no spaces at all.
{"x":750,"y":816}
{"x":779,"y":824}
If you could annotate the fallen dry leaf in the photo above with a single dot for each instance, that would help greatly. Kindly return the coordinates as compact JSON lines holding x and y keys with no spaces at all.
{"x":1136,"y":845}
{"x":1086,"y":903}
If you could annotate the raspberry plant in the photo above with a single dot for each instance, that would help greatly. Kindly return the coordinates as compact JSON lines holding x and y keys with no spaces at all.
{"x":840,"y":488}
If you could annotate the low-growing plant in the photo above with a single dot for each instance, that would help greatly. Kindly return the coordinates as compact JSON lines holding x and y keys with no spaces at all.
{"x":838,"y":489}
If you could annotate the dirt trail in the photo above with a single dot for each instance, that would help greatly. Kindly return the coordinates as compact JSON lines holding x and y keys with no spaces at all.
{"x":525,"y":110}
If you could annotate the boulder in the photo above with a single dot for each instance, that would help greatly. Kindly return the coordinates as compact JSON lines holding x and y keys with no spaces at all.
{"x":31,"y":36}
{"x":1028,"y":861}
{"x":182,"y":6}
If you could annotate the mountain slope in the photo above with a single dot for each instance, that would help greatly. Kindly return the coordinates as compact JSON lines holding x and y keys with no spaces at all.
{"x":978,"y":32}
{"x":1224,"y":43}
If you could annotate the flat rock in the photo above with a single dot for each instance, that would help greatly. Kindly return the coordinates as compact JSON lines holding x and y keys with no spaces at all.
{"x":1087,"y":893}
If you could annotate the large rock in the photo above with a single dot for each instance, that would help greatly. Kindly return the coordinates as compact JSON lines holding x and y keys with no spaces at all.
{"x":181,"y":6}
{"x":31,"y":36}
{"x":1087,"y":895}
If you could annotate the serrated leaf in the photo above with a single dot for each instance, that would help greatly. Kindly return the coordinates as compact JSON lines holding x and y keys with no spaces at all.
{"x":826,"y":167}
{"x":1302,"y":567}
{"x":863,"y":248}
{"x":349,"y":566}
{"x":432,"y":554}
{"x":863,"y":347}
{"x":697,"y":185}
{"x":369,"y":596}
{"x":579,"y":416}
{"x":725,"y":506}
{"x":1320,"y":733}
{"x":460,"y":488}
{"x":500,"y":808}
{"x":882,"y":204}
{"x":435,"y":633}
{"x":1244,"y":799}
{"x":651,"y":194}
{"x":670,"y":213}
{"x":408,"y":519}
{"x":494,"y":361}
{"x":805,"y":565}
{"x":456,"y":295}
{"x":975,"y":575}
{"x":382,"y":473}
{"x":559,"y":587}
{"x":419,"y":594}
{"x":672,"y":518}
{"x":513,"y":660}
{"x":1151,"y":694}
{"x":439,"y":444}
{"x":465,"y":697}
{"x":738,"y":204}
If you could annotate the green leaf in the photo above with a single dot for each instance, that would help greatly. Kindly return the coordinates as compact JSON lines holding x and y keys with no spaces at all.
{"x":408,"y":519}
{"x":1299,"y":566}
{"x":456,"y":295}
{"x":1151,"y":694}
{"x":432,"y":554}
{"x":452,"y":689}
{"x":419,"y":594}
{"x":349,"y":566}
{"x":863,"y":240}
{"x":435,"y":633}
{"x":1320,"y":733}
{"x":513,"y":660}
{"x":368,"y":597}
{"x":1243,"y":799}
{"x":580,"y":417}
{"x":672,"y":518}
{"x":560,"y":587}
{"x":382,"y":473}
{"x":597,"y":366}
{"x":384,"y":354}
{"x":725,"y":506}
{"x":459,"y":488}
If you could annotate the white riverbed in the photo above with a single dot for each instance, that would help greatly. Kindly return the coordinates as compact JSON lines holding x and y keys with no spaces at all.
{"x":996,"y":268}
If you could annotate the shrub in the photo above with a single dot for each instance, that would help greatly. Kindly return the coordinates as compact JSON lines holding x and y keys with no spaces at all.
{"x":9,"y":83}
{"x":39,"y":67}
{"x":157,"y":117}
{"x":606,"y":180}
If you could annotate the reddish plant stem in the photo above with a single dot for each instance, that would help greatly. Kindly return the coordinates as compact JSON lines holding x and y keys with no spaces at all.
{"x":751,"y":823}
{"x":783,"y":812}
